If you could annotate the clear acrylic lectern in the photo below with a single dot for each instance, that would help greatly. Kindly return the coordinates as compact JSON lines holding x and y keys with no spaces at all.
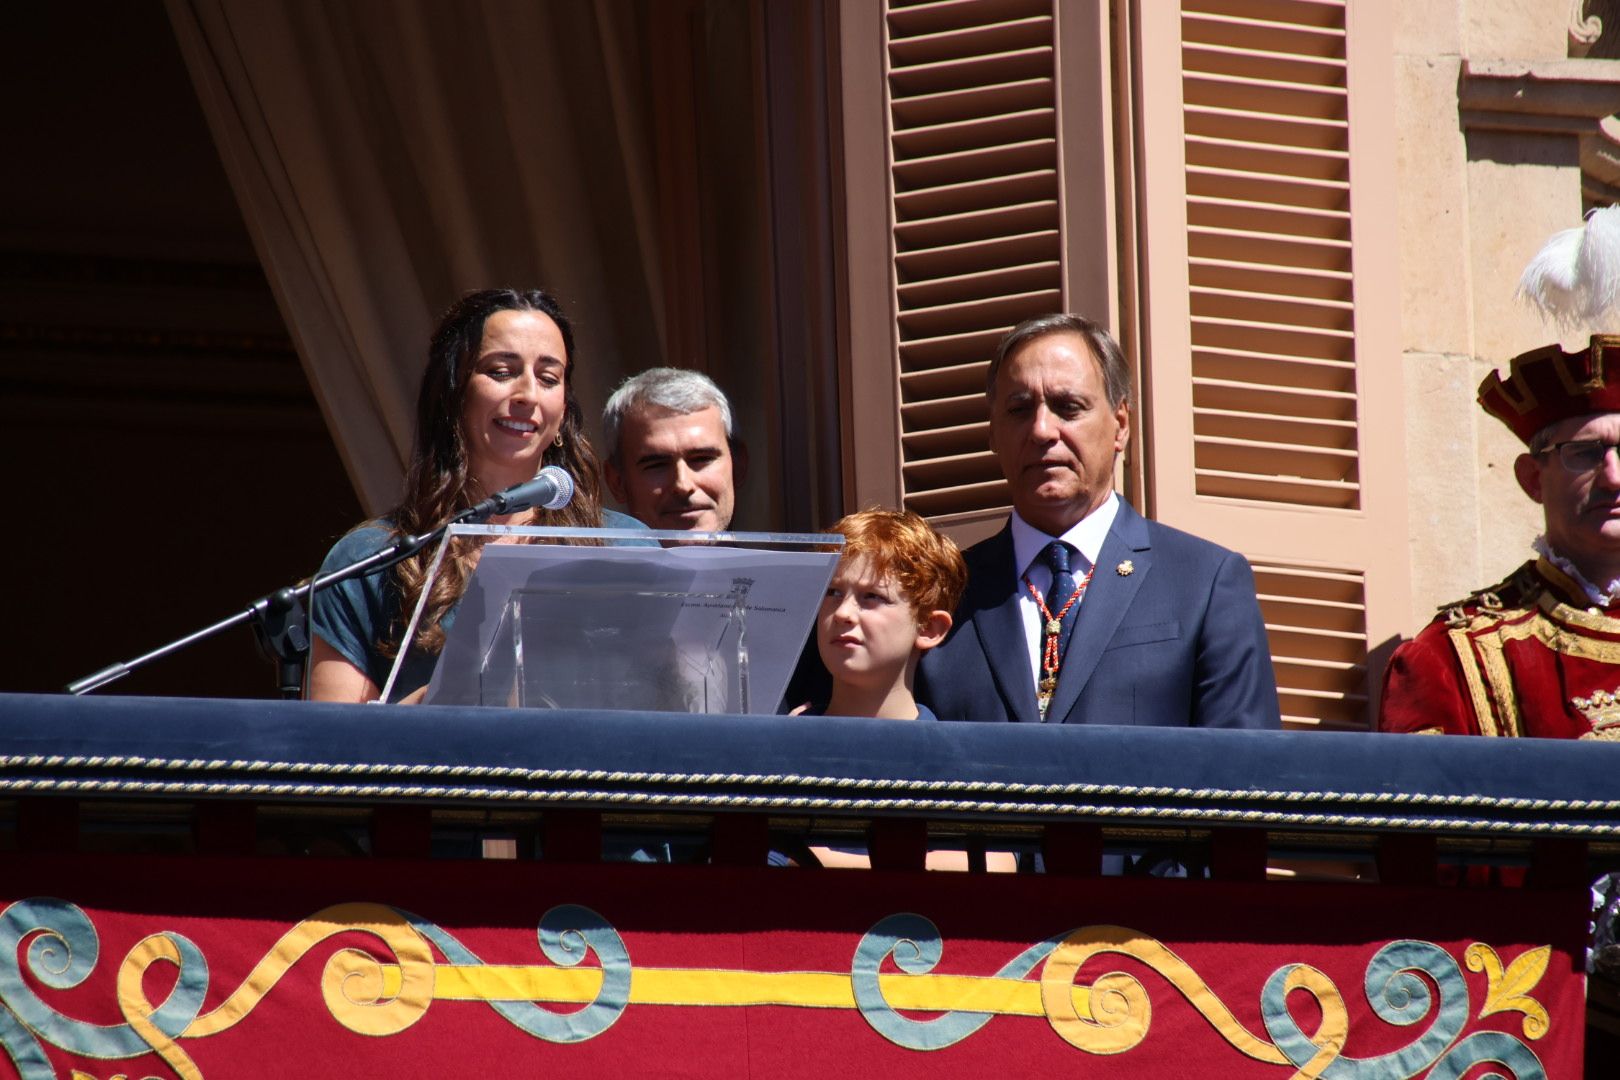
{"x":710,"y":626}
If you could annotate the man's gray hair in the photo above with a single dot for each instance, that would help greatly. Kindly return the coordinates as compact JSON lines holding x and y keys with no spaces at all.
{"x":676,"y":389}
{"x":1116,"y":373}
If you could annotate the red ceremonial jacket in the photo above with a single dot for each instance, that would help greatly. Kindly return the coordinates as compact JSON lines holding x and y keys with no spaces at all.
{"x":1530,"y":656}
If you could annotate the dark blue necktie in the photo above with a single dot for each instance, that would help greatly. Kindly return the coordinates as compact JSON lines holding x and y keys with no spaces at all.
{"x":1063,"y":586}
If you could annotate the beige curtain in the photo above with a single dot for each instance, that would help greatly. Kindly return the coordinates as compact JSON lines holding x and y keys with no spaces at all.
{"x":390,"y":155}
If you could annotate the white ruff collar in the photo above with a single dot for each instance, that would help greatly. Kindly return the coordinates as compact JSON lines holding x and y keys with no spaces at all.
{"x":1606,"y":597}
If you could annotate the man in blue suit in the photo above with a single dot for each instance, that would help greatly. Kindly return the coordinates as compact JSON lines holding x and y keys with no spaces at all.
{"x":1080,"y":611}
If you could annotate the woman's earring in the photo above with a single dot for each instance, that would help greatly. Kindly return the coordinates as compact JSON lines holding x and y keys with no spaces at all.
{"x":557,"y":442}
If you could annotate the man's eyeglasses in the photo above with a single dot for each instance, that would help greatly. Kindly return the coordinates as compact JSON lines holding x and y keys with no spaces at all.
{"x":1581,"y":455}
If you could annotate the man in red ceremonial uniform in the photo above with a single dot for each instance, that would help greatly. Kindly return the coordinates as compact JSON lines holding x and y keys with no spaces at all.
{"x":1539,"y":653}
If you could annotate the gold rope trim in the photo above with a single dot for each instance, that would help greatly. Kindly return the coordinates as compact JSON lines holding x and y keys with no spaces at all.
{"x":690,"y":779}
{"x":764,"y":802}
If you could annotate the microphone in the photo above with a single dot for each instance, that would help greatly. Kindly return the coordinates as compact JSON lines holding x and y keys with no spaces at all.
{"x":551,"y":488}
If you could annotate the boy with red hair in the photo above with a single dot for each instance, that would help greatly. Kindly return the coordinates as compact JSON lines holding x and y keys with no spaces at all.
{"x":889,"y":601}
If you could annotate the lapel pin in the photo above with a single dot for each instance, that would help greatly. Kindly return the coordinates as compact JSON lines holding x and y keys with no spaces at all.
{"x":1125,"y":569}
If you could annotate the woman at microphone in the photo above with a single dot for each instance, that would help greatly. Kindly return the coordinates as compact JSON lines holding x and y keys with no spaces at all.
{"x":496,"y":405}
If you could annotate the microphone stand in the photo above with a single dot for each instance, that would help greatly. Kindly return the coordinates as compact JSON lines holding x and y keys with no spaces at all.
{"x":280,"y":619}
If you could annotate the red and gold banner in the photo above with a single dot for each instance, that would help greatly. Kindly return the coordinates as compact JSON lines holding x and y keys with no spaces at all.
{"x":235,"y":969}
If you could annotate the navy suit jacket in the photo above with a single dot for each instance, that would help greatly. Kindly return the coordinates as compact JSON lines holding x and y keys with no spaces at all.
{"x":1176,"y":642}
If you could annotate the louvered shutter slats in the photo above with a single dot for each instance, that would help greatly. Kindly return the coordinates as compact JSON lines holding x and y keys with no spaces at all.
{"x":1256,"y":400}
{"x":1281,"y":430}
{"x":907,"y":17}
{"x":1316,"y":620}
{"x":1270,"y":309}
{"x":943,"y":383}
{"x":971,"y":43}
{"x":977,"y":225}
{"x":1250,"y":454}
{"x":968,"y":315}
{"x":1038,"y":187}
{"x":1252,"y":224}
{"x":1337,"y":615}
{"x":1270,"y":188}
{"x":946,"y":441}
{"x":950,"y":349}
{"x":1323,"y":15}
{"x":974,"y":71}
{"x":1000,"y":224}
{"x":1294,"y":111}
{"x":965,"y":287}
{"x":1245,"y":478}
{"x":1247,"y":215}
{"x":1236,"y":154}
{"x":942,"y":413}
{"x":1276,"y":339}
{"x":1249,"y":63}
{"x":999,"y":99}
{"x":953,"y":258}
{"x":1216,"y":244}
{"x":1229,"y":137}
{"x":974,"y":164}
{"x":1293,"y":42}
{"x":1028,"y":125}
{"x":959,"y":499}
{"x":942,"y":472}
{"x":1293,"y":282}
{"x":1289,"y":373}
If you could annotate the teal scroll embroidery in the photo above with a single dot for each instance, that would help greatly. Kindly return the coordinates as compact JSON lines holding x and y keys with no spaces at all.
{"x":62,"y":956}
{"x":27,"y":1056}
{"x":1397,"y":996}
{"x":568,"y":933}
{"x":1495,"y":1047}
{"x":915,"y":945}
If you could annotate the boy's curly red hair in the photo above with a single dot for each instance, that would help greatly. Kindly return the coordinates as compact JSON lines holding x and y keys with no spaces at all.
{"x":927,"y":565}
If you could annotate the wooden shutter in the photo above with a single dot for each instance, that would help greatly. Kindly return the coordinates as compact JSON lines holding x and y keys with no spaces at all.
{"x":981,"y":213}
{"x":974,"y":182}
{"x":1316,"y":619}
{"x":1272,"y":357}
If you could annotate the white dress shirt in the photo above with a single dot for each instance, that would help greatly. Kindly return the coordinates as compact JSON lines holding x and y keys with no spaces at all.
{"x":1085,"y":536}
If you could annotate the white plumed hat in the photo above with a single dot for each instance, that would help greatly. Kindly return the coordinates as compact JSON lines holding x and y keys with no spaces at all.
{"x":1574,"y":280}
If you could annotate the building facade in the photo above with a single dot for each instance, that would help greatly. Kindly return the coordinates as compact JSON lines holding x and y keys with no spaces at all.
{"x":1304,"y":220}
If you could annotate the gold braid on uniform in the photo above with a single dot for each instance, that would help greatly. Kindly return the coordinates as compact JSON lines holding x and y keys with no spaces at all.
{"x":1478,"y":627}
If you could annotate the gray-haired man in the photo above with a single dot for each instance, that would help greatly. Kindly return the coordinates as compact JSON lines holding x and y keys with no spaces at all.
{"x":673,"y":457}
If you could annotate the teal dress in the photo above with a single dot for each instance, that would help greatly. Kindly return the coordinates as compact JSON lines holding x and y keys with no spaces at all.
{"x":354,"y":616}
